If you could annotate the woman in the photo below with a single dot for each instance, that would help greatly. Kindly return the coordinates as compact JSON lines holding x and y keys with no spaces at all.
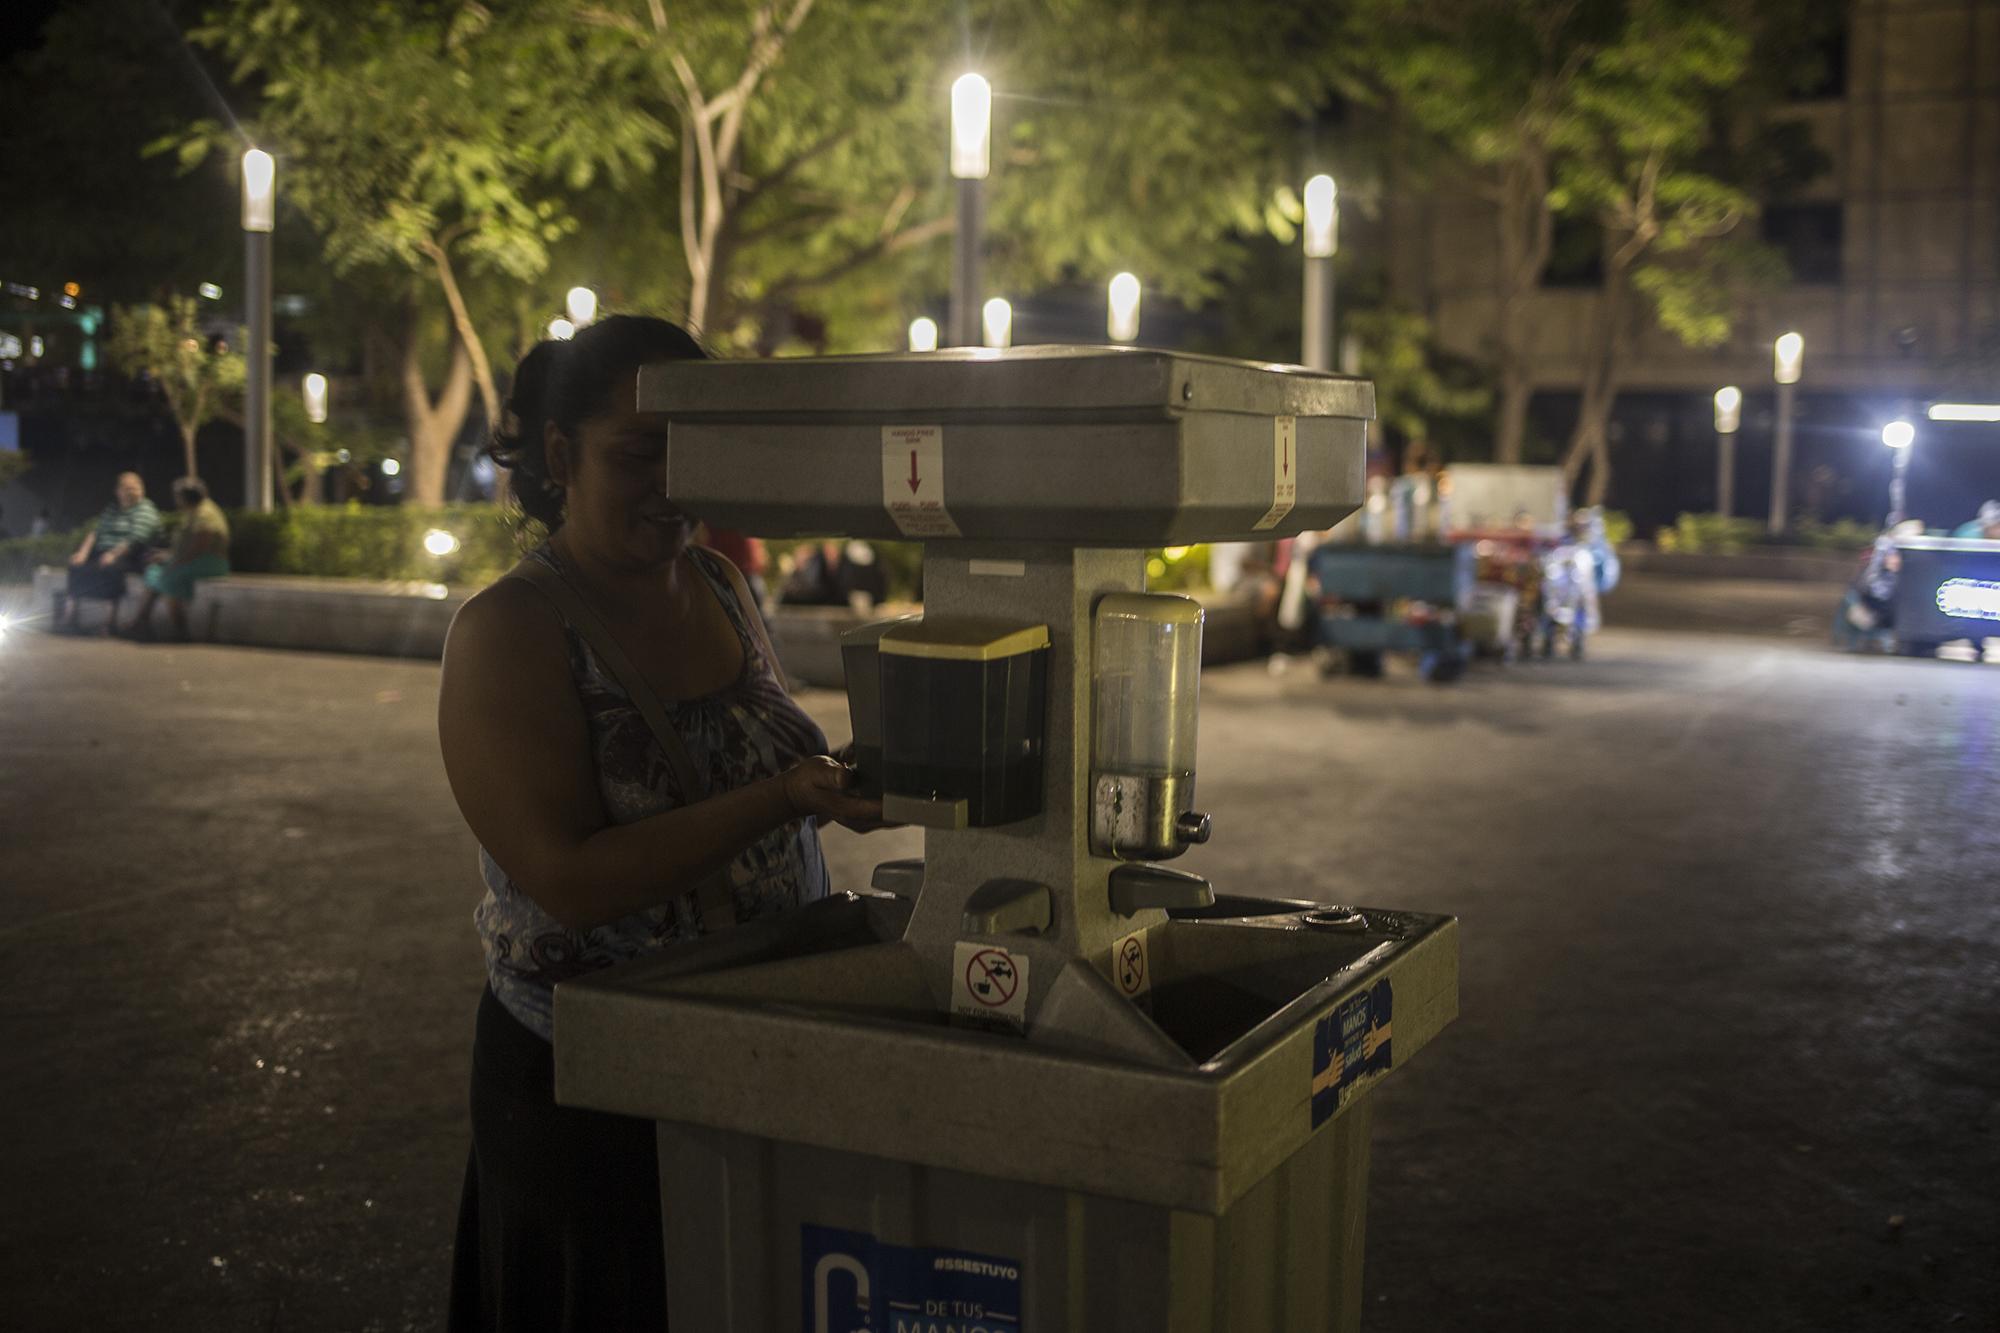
{"x":618,"y":740}
{"x":200,"y":551}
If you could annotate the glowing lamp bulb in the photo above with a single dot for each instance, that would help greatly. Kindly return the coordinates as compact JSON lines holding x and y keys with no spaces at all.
{"x":1322,"y":217}
{"x":259,"y":189}
{"x":971,"y":127}
{"x":1124,"y":308}
{"x":581,"y":306}
{"x":923,"y":334}
{"x":440,"y":543}
{"x":314,"y":390}
{"x":1788,"y":356}
{"x":1899,"y":435}
{"x":998,"y":319}
{"x":1728,"y":409}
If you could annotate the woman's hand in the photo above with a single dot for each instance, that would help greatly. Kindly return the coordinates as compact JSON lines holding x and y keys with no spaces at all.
{"x":818,"y":787}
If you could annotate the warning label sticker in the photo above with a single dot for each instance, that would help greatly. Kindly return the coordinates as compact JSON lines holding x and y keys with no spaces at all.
{"x":1284,"y":472}
{"x":913,"y":481}
{"x":1131,"y":968}
{"x":853,"y":1283}
{"x":1349,"y":1045}
{"x":989,"y":983}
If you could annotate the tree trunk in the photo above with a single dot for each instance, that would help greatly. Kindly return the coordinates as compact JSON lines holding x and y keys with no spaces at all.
{"x":468,"y":336}
{"x":1527,"y":232}
{"x":187,"y":448}
{"x":1517,"y":388}
{"x":433,"y":424}
{"x":1590,"y":442}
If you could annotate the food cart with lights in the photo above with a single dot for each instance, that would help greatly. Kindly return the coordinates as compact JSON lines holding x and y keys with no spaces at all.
{"x":1947,"y":589}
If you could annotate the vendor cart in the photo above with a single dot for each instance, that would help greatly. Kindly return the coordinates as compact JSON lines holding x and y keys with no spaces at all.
{"x":1947,"y":588}
{"x":1375,"y":600}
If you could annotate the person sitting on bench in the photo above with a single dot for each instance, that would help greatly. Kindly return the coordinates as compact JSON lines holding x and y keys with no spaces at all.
{"x":116,"y":547}
{"x":200,"y":551}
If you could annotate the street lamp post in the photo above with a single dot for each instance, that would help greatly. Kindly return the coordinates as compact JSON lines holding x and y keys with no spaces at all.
{"x":1322,"y":239}
{"x":259,"y":207}
{"x":1122,"y":321}
{"x":1728,"y":417}
{"x":971,"y":159}
{"x":1900,"y":436}
{"x":1788,"y":362}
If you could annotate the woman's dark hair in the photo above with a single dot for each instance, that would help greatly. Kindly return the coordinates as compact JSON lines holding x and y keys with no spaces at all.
{"x":190,"y":491}
{"x":568,"y":383}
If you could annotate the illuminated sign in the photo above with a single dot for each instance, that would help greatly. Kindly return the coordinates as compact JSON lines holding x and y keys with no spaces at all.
{"x":1969,"y":599}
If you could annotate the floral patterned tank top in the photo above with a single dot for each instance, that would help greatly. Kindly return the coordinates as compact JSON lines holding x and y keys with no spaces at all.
{"x":740,"y":734}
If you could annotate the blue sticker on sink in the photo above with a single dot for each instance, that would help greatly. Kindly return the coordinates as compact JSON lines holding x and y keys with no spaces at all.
{"x":1350,"y":1044}
{"x":854,"y":1283}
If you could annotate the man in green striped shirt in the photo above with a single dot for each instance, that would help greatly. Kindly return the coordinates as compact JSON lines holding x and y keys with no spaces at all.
{"x":116,"y":547}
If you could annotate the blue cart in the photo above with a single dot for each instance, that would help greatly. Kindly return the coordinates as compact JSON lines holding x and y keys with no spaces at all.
{"x":1947,"y":588}
{"x":1374,"y":600}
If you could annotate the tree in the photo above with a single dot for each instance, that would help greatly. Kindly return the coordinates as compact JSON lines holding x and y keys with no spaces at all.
{"x":437,"y":140}
{"x":1492,"y":81}
{"x":196,"y":375}
{"x":1630,"y":155}
{"x":809,"y":144}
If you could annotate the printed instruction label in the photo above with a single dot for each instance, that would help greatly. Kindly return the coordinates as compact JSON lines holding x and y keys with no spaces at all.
{"x":854,"y":1283}
{"x":1284,"y":472}
{"x":1132,"y":966}
{"x":989,"y":983}
{"x":913,"y":481}
{"x":1349,"y":1045}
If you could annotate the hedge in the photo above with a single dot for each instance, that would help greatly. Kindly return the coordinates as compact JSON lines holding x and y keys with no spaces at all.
{"x":387,"y":542}
{"x":345,"y":541}
{"x":1713,"y":534}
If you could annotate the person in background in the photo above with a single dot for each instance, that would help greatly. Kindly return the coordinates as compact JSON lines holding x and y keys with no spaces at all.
{"x":746,"y":553}
{"x":1984,"y":526}
{"x":837,"y":574}
{"x":40,"y":527}
{"x":200,"y":551}
{"x":116,"y":547}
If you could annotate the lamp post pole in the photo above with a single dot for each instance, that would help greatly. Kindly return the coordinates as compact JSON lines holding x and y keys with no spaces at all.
{"x":971,"y":145}
{"x":1900,"y":436}
{"x":1322,"y":240}
{"x":1788,"y":361}
{"x":1728,"y":417}
{"x":259,"y":188}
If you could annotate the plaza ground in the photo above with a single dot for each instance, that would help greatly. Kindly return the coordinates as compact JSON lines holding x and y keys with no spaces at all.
{"x":1728,"y":1055}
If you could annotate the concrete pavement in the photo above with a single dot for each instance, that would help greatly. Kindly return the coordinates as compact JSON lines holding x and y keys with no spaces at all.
{"x":1726,"y":1060}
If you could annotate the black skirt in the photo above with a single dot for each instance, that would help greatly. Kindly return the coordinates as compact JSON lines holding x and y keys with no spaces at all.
{"x":559,"y":1223}
{"x":103,"y":583}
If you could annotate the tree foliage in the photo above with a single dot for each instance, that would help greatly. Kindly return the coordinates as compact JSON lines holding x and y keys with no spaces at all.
{"x":196,"y":375}
{"x":1645,"y":118}
{"x":438,"y":139}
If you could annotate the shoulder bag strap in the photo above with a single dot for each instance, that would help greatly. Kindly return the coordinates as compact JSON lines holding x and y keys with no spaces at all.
{"x":712,"y":894}
{"x":746,"y":606}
